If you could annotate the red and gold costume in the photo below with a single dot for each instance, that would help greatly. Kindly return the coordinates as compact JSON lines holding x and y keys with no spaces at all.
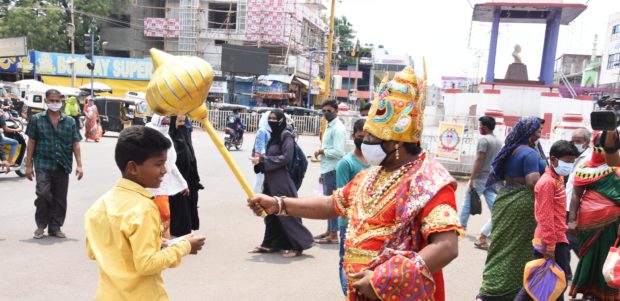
{"x":392,"y":214}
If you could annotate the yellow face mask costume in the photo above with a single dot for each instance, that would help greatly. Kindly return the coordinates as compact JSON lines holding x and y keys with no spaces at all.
{"x":397,"y":113}
{"x":179,"y":85}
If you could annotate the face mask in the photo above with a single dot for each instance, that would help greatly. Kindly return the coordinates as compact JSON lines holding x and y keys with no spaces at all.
{"x":374,"y":153}
{"x":329,"y":116}
{"x":564,"y":168}
{"x":273,"y":125}
{"x":580,"y":147}
{"x":54,"y":106}
{"x":481,"y":131}
{"x":358,"y":143}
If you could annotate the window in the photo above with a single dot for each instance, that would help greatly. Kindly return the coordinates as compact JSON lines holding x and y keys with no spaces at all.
{"x":613,"y":61}
{"x":615,"y":32}
{"x":222,"y":15}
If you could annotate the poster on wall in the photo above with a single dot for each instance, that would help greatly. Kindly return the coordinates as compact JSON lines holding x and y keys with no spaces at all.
{"x":450,"y":141}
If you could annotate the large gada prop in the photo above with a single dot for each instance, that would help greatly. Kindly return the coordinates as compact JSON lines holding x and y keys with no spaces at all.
{"x":179,"y":86}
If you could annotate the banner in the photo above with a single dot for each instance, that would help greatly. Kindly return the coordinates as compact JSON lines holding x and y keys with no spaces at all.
{"x":19,"y":64}
{"x":51,"y":63}
{"x":450,"y":141}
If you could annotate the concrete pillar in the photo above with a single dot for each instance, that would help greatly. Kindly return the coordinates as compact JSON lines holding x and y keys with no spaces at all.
{"x":551,"y":46}
{"x":490,"y":76}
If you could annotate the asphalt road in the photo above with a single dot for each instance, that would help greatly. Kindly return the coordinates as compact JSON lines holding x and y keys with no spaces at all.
{"x":58,"y":269}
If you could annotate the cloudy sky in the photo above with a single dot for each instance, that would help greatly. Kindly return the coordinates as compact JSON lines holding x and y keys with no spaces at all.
{"x":442,"y":32}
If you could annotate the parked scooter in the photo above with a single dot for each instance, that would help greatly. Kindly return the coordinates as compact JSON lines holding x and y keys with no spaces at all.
{"x":13,"y":121}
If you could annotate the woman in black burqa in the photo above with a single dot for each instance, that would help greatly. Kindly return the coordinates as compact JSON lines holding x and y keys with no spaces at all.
{"x":184,"y":206}
{"x":282,"y":233}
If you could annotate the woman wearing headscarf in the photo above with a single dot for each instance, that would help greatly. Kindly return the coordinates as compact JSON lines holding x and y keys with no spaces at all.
{"x":93,"y":129}
{"x":282,"y":233}
{"x":260,"y":148}
{"x":184,"y":206}
{"x":515,"y":171}
{"x":173,"y":182}
{"x":594,"y":214}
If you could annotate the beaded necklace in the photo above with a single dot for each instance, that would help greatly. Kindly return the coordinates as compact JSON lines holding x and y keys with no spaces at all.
{"x":370,"y":198}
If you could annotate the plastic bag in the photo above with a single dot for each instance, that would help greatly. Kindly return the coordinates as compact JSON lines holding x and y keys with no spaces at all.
{"x":611,"y":267}
{"x":475,"y":204}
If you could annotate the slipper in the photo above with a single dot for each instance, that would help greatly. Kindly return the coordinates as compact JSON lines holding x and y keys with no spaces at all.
{"x":261,"y":250}
{"x":291,"y":253}
{"x":322,"y":235}
{"x":481,"y":245}
{"x":327,"y":240}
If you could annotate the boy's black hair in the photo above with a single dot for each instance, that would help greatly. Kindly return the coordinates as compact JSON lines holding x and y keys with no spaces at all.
{"x":358,"y":125}
{"x":366,"y":107}
{"x":563,"y":148}
{"x":332,"y":103}
{"x":413,"y":148}
{"x":138,"y":144}
{"x":488,"y":122}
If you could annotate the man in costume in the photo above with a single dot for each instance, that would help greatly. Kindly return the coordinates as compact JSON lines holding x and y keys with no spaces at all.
{"x":403,"y":224}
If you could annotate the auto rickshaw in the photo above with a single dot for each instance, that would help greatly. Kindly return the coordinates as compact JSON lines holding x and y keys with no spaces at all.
{"x":115,"y":113}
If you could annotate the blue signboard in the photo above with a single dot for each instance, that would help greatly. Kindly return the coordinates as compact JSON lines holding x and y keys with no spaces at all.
{"x":59,"y":64}
{"x":19,"y":64}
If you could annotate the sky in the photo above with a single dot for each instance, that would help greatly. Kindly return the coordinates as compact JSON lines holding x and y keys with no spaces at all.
{"x":442,"y":32}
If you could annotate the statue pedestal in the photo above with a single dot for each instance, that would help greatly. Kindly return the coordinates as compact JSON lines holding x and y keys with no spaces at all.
{"x":517,"y":72}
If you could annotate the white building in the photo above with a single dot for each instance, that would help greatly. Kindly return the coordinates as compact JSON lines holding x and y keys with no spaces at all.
{"x":610,"y":66}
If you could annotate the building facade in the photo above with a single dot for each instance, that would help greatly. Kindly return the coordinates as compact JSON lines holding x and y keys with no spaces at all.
{"x":610,"y":65}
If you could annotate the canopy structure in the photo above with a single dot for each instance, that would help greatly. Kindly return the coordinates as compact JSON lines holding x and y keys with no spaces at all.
{"x":552,"y":14}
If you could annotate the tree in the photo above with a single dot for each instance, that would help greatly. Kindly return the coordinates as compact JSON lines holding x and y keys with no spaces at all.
{"x":49,"y":31}
{"x":344,"y":32}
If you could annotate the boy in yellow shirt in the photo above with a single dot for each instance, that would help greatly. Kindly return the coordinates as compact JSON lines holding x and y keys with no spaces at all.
{"x":123,"y":232}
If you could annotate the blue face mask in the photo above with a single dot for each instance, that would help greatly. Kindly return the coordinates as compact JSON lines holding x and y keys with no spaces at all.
{"x":564,"y":168}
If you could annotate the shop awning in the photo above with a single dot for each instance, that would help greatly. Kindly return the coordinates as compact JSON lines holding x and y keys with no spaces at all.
{"x":275,"y":95}
{"x":119,"y":86}
{"x":302,"y":81}
{"x":283,"y":78}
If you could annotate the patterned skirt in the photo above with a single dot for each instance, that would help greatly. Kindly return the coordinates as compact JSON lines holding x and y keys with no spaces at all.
{"x":513,"y":230}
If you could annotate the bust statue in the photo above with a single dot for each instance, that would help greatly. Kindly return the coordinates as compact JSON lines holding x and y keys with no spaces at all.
{"x":516,"y":55}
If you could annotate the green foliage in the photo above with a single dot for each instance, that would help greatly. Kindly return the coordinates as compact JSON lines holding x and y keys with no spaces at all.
{"x":343,"y":29}
{"x":44,"y":22}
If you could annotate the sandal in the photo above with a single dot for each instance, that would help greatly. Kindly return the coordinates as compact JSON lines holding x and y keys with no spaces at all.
{"x":291,"y":253}
{"x":58,"y":234}
{"x":322,"y":235}
{"x":261,"y":250}
{"x":39,"y":233}
{"x":327,"y":240}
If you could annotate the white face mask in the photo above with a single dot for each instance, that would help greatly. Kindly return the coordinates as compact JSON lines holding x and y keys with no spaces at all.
{"x":374,"y":153}
{"x":580,"y":147}
{"x":564,"y":168}
{"x":54,"y":106}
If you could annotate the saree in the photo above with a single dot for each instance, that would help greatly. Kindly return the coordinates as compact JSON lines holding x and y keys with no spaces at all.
{"x":513,"y":228}
{"x":598,"y":229}
{"x":388,"y":228}
{"x":93,"y":130}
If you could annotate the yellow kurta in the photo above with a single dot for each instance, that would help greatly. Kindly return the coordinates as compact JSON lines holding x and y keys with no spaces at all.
{"x":123,"y":235}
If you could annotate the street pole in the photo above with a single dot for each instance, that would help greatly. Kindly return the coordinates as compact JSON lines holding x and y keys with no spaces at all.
{"x":310,"y":81}
{"x":72,"y":47}
{"x":92,"y":70}
{"x":330,"y":44}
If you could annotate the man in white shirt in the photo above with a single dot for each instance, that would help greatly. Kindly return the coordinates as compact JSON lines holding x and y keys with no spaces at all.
{"x":582,"y":140}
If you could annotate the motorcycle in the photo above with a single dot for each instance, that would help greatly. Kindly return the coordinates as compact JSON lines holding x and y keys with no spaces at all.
{"x":232,"y":138}
{"x":14,"y":122}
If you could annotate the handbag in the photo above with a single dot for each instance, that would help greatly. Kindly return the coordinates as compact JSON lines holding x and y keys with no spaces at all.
{"x":611,"y":267}
{"x":475,"y":204}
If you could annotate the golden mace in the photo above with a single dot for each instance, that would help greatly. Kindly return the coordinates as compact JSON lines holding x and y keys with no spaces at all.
{"x":179,"y":86}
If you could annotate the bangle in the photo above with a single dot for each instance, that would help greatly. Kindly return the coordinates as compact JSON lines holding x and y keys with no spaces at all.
{"x":284,"y":212}
{"x":279,"y":201}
